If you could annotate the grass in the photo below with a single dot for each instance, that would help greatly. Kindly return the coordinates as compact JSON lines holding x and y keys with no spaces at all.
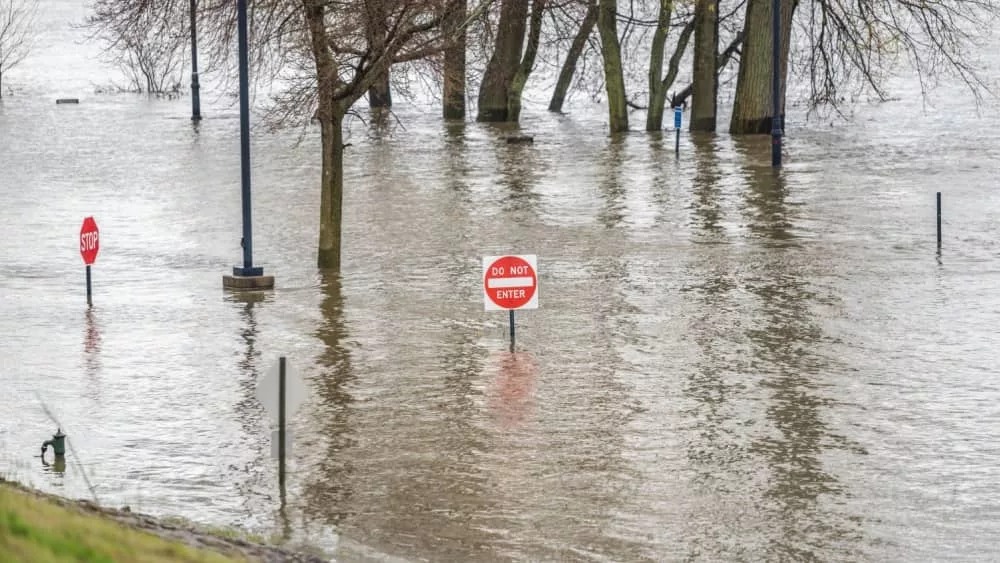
{"x":37,"y":531}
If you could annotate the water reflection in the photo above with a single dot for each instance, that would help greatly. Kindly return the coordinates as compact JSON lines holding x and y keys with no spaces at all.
{"x":612,"y":186}
{"x":92,"y":348}
{"x":254,"y":480}
{"x":329,"y":489}
{"x":512,"y":393}
{"x":770,"y":217}
{"x":785,"y":342}
{"x":519,"y":169}
{"x":707,"y":185}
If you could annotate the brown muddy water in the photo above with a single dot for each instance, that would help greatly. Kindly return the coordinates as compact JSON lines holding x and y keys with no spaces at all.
{"x":727,"y":363}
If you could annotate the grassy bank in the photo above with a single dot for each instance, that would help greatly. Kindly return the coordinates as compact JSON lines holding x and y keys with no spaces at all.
{"x":38,"y":528}
{"x":34,"y":529}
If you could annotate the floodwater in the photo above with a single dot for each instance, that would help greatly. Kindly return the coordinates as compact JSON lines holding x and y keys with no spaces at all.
{"x":727,"y":363}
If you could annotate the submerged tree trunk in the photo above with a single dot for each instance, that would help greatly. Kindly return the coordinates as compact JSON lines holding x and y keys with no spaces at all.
{"x":379,"y":94}
{"x":453,"y":94}
{"x":705,"y":76}
{"x":752,"y":102}
{"x":494,"y":91}
{"x":330,"y":115}
{"x":657,"y":93}
{"x":575,"y":50}
{"x":527,"y":63}
{"x":614,"y":80}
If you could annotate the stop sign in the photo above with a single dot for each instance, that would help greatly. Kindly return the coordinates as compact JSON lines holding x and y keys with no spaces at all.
{"x":510,"y":282}
{"x":89,"y":241}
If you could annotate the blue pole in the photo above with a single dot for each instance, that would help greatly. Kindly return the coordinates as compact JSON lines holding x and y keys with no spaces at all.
{"x":776,"y":131}
{"x":247,"y":242}
{"x":678,"y":111}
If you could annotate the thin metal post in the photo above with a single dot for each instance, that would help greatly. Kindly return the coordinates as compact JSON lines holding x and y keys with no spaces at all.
{"x":281,"y":425}
{"x":512,"y":330}
{"x":776,"y":121}
{"x":677,"y":143}
{"x":195,"y":86}
{"x":939,"y":219}
{"x":90,"y":301}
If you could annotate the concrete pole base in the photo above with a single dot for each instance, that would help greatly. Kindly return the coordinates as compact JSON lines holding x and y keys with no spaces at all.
{"x":247,"y":282}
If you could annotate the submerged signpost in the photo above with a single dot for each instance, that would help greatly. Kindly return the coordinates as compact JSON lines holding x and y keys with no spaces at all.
{"x":678,"y":112}
{"x":281,"y":391}
{"x":510,"y":283}
{"x":90,"y":244}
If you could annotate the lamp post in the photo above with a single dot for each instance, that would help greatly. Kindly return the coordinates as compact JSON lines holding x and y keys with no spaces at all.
{"x":776,"y":120}
{"x":247,"y":276}
{"x":195,"y":86}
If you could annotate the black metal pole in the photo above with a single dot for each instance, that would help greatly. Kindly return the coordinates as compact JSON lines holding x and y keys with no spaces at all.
{"x":247,"y":242}
{"x":776,"y":121}
{"x":512,"y":330}
{"x":939,"y":219}
{"x":281,"y":425}
{"x":195,"y":86}
{"x":90,"y":301}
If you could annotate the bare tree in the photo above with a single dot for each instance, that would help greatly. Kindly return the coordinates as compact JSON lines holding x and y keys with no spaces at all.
{"x":146,"y":40}
{"x":853,"y":47}
{"x":16,"y":33}
{"x":576,"y":49}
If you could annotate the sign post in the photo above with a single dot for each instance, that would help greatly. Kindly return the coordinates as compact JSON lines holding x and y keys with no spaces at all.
{"x":90,"y":244}
{"x":281,"y":392}
{"x":510,"y":283}
{"x":678,"y":112}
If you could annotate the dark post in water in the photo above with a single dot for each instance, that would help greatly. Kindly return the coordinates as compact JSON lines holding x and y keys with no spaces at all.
{"x":281,"y":426}
{"x":939,"y":219}
{"x":90,"y":301}
{"x":776,"y":124}
{"x":248,"y":268}
{"x":512,"y":331}
{"x":678,"y":111}
{"x":195,"y":87}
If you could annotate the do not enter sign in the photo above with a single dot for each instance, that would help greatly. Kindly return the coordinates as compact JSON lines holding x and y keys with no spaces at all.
{"x":89,"y":241}
{"x":510,"y":282}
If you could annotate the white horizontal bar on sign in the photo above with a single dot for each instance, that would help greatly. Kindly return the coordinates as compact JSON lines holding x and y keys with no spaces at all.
{"x":494,"y":283}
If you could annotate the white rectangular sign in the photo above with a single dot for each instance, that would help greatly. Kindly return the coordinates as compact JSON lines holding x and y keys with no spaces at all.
{"x":510,"y":282}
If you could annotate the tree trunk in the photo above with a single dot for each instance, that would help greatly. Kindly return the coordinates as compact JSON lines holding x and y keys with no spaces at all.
{"x":527,"y":63}
{"x":379,"y":94}
{"x":331,"y":193}
{"x":453,"y":95}
{"x":705,"y":77}
{"x":330,"y":115}
{"x":575,"y":50}
{"x":614,"y":81}
{"x":657,"y":92}
{"x":752,"y":103}
{"x":494,"y":91}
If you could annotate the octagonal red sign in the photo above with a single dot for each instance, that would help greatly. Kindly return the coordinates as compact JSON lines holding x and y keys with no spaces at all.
{"x":90,"y":242}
